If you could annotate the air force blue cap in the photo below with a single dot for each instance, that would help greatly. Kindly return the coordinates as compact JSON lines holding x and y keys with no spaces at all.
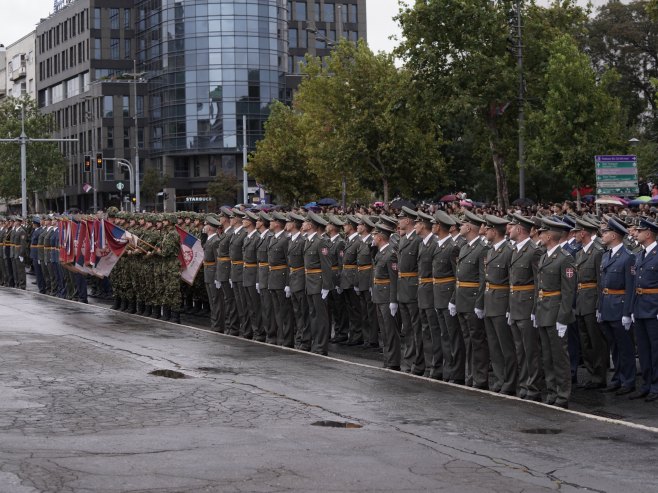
{"x":646,"y":224}
{"x":616,"y":227}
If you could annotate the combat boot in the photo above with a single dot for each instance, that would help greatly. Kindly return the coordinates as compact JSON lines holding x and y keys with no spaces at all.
{"x":148,"y":309}
{"x":117,"y":303}
{"x":166,"y":313}
{"x":156,"y":312}
{"x":140,"y":308}
{"x":124,"y":304}
{"x":131,"y":307}
{"x":175,"y":317}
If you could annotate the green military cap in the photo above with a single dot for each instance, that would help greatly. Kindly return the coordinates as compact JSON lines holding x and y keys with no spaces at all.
{"x":458,"y":220}
{"x":368,"y":222}
{"x":582,"y":224}
{"x":237,"y":212}
{"x":422,"y":217}
{"x":353,"y":219}
{"x":112,"y":211}
{"x":226,"y":211}
{"x":441,"y":217}
{"x":316,"y":219}
{"x":250,"y":216}
{"x":495,"y":221}
{"x":391,"y":221}
{"x":407,"y":212}
{"x":335,"y":220}
{"x":277,"y":216}
{"x":212,"y":221}
{"x":264,"y":217}
{"x":526,"y":222}
{"x":171,"y":217}
{"x":550,"y":225}
{"x":293,"y":216}
{"x":536,"y":221}
{"x":469,"y":217}
{"x":384,"y":228}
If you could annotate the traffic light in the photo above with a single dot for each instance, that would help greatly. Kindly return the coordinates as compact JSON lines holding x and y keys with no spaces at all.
{"x":99,"y":160}
{"x":87,"y":164}
{"x":133,"y":199}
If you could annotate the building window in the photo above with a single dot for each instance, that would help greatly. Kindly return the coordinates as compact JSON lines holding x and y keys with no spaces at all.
{"x":114,"y":49}
{"x":126,"y":19}
{"x":292,"y":38}
{"x":353,"y":17}
{"x":197,"y":167}
{"x":300,"y":11}
{"x":126,"y":138}
{"x":97,"y":49}
{"x":140,"y":137}
{"x":181,"y":168}
{"x":329,"y":12}
{"x":114,"y":18}
{"x":97,"y":18}
{"x":127,"y":49}
{"x":343,"y":13}
{"x":316,"y":11}
{"x":126,"y":106}
{"x":110,"y":138}
{"x":320,"y":42}
{"x":140,"y":106}
{"x":108,"y":111}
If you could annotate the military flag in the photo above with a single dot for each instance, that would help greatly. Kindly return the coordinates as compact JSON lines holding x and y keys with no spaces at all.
{"x":190,"y":255}
{"x":112,"y":242}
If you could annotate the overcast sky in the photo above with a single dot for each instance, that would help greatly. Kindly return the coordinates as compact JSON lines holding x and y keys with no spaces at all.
{"x":20,"y":17}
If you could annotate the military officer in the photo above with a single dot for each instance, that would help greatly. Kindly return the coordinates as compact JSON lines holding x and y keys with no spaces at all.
{"x":212,"y":228}
{"x":555,"y":288}
{"x":337,"y":304}
{"x":496,"y":307}
{"x":237,"y":267}
{"x":296,"y":288}
{"x":34,"y":254}
{"x":593,"y":346}
{"x":522,"y":275}
{"x":364,"y":261}
{"x":349,"y":281}
{"x":277,"y":281}
{"x":250,"y":277}
{"x":268,"y":321}
{"x":19,"y":251}
{"x":468,"y":301}
{"x":231,"y":323}
{"x":645,"y":310}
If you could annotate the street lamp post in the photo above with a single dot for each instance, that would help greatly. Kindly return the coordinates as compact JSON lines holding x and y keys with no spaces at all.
{"x":135,"y":75}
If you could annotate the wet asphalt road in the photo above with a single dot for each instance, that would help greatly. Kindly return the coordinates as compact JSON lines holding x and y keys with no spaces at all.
{"x":80,"y":412}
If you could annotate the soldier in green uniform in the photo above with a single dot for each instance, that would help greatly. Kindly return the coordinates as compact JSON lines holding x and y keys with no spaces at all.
{"x":170,"y":270}
{"x":277,"y":281}
{"x":19,"y":252}
{"x":296,"y":288}
{"x":268,"y":320}
{"x":250,"y":277}
{"x":349,"y":280}
{"x":216,"y":302}
{"x":364,"y":261}
{"x":231,"y":323}
{"x":237,"y":266}
{"x":336,"y":299}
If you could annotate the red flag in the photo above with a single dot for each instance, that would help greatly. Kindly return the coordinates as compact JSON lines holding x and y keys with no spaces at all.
{"x":190,"y":255}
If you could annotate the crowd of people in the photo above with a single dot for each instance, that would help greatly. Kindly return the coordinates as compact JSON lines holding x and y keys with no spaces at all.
{"x":511,"y":303}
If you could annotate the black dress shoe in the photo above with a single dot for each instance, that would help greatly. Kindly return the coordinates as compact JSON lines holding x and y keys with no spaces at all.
{"x":533,"y":398}
{"x":550,"y":401}
{"x":625,"y":390}
{"x":418,"y":373}
{"x":394,"y":368}
{"x":563,"y":405}
{"x":638,"y":395}
{"x":338,"y":340}
{"x":651,"y":397}
{"x":508,"y":392}
{"x":457,"y":382}
{"x":611,"y":388}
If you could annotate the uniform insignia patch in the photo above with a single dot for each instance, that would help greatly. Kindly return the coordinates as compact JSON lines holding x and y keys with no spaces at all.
{"x":632,"y":270}
{"x":569,"y":272}
{"x":394,"y":266}
{"x":342,"y":253}
{"x":325,"y":251}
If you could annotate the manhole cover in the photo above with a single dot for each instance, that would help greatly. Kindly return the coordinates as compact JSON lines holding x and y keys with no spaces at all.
{"x":337,"y":424}
{"x":542,"y":431}
{"x":168,"y":373}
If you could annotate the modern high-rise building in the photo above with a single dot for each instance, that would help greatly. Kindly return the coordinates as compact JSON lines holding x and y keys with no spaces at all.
{"x":197,"y":68}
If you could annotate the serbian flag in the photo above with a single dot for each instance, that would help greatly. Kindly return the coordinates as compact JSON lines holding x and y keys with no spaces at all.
{"x":64,"y":240}
{"x":190,"y":255}
{"x":111,"y":245}
{"x":82,"y":248}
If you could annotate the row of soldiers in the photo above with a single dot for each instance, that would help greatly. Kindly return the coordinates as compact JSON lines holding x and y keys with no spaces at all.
{"x":507,"y":304}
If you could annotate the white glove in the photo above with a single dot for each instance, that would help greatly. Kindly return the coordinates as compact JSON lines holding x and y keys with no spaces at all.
{"x":452,"y":309}
{"x":20,"y":258}
{"x":508,"y":316}
{"x":324,"y":293}
{"x":230,"y":283}
{"x":534,"y":320}
{"x":356,"y":289}
{"x":598,"y":316}
{"x":394,"y":308}
{"x":287,"y":291}
{"x":479,"y":313}
{"x":218,"y":284}
{"x":339,"y":290}
{"x":633,"y":317}
{"x":370,"y":289}
{"x":258,"y":288}
{"x":38,"y":262}
{"x":626,"y":322}
{"x":561,"y":329}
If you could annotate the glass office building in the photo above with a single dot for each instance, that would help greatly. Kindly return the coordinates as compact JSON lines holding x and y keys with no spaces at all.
{"x":208,"y":63}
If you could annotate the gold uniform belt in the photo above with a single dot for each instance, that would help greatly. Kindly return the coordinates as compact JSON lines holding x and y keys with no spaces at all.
{"x":402,"y":275}
{"x":495,"y":287}
{"x":224,"y":259}
{"x":382,"y":281}
{"x":467,"y":284}
{"x":250,"y":266}
{"x":296,"y":269}
{"x":444,"y":280}
{"x":646,"y":290}
{"x":208,"y":263}
{"x":237,"y":262}
{"x":587,"y":285}
{"x":263,"y":264}
{"x":522,"y":287}
{"x":613,"y":291}
{"x":425,"y":280}
{"x":364,"y":267}
{"x":278,"y":267}
{"x":548,"y":294}
{"x":350,"y":266}
{"x":313,"y":271}
{"x":335,"y":267}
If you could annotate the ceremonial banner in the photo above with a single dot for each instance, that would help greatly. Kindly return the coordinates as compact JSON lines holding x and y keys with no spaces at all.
{"x":190,"y":255}
{"x":112,"y":242}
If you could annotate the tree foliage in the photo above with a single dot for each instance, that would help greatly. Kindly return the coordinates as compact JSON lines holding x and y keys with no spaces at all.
{"x":45,"y":164}
{"x":152,"y":184}
{"x":224,"y":188}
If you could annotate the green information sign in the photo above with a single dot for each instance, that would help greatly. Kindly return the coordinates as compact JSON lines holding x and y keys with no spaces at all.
{"x":616,"y":175}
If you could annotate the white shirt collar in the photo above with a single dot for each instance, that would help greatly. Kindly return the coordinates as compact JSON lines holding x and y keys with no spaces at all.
{"x":561,"y":245}
{"x":428,"y":238}
{"x":278,"y":235}
{"x":472,"y":242}
{"x":254,"y":231}
{"x":649,"y":248}
{"x":521,"y":244}
{"x":295,"y":236}
{"x":499,"y":244}
{"x":408,"y":235}
{"x":384,"y":247}
{"x":552,"y":250}
{"x":588,"y":246}
{"x":310,"y":237}
{"x":442,"y":241}
{"x":214,"y":234}
{"x":351,"y":237}
{"x":333,"y":238}
{"x":366,"y":238}
{"x":264,"y":233}
{"x":237,"y":230}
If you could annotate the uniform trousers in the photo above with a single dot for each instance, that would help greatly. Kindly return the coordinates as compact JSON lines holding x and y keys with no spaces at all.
{"x":594,"y":348}
{"x":9,"y":267}
{"x":268,"y":321}
{"x":355,"y":318}
{"x":243,"y":312}
{"x":47,"y":278}
{"x":624,"y":356}
{"x":454,"y":357}
{"x":318,"y":315}
{"x":646,"y":333}
{"x":216,"y":302}
{"x":301,"y":316}
{"x":430,"y":326}
{"x":390,"y":336}
{"x":369,"y":318}
{"x":81,"y":286}
{"x":282,"y":308}
{"x":413,"y":350}
{"x":477,"y":352}
{"x":526,"y":342}
{"x":503,"y":354}
{"x":231,"y":320}
{"x":253,"y":309}
{"x":18,"y":268}
{"x":339,"y":315}
{"x":557,"y":368}
{"x":41,"y":284}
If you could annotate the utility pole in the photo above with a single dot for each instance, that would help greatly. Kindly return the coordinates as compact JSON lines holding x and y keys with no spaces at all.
{"x":135,"y":76}
{"x":245,"y":180}
{"x":519,"y":58}
{"x":23,"y":140}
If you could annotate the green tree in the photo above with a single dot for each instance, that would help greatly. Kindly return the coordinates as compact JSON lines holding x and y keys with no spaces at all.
{"x":223,"y":188}
{"x":152,"y":184}
{"x":579,"y":120}
{"x":45,"y":164}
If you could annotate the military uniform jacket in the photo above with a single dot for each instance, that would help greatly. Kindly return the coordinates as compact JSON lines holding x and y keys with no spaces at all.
{"x":223,"y":266}
{"x":617,"y":272}
{"x":34,"y":241}
{"x":336,"y":253}
{"x":349,"y":274}
{"x":646,"y":276}
{"x":51,"y":243}
{"x":277,"y":258}
{"x":3,"y":233}
{"x":296,"y":277}
{"x":588,"y":270}
{"x":555,"y":274}
{"x":235,"y":252}
{"x":317,"y":265}
{"x":496,"y":275}
{"x":425,"y":282}
{"x":210,"y":260}
{"x":522,"y":275}
{"x":250,"y":258}
{"x":408,"y":268}
{"x":261,"y":256}
{"x":54,"y":245}
{"x":444,"y":267}
{"x":42,"y":242}
{"x":19,"y":240}
{"x":470,"y":269}
{"x":384,"y":288}
{"x":364,"y":260}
